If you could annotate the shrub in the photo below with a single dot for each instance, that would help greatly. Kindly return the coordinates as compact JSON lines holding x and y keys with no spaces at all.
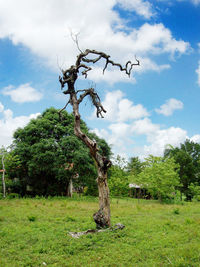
{"x":13,"y":195}
{"x":176,"y":211}
{"x":32,"y":218}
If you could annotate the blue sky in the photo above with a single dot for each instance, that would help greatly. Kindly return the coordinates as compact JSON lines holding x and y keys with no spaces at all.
{"x":156,"y":106}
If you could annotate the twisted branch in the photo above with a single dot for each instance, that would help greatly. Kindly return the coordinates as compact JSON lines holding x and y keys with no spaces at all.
{"x":60,"y":111}
{"x":83,"y":57}
{"x":95,"y":100}
{"x":70,"y":75}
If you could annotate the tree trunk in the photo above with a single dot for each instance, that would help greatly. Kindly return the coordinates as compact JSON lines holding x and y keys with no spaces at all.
{"x":70,"y":188}
{"x":3,"y":178}
{"x":102,"y":216}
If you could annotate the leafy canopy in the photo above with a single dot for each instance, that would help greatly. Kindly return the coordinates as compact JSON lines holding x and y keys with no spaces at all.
{"x":159,"y":177}
{"x":50,"y":154}
{"x":188,"y":158}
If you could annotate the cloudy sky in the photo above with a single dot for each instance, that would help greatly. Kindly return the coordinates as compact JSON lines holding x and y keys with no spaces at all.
{"x":156,"y":106}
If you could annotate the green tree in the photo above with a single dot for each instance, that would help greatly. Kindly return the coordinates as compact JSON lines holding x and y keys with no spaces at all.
{"x":188,"y":158}
{"x":134,"y":166}
{"x":2,"y":167}
{"x":51,"y":155}
{"x":12,"y":168}
{"x":159,"y":177}
{"x":195,"y":190}
{"x":118,"y":178}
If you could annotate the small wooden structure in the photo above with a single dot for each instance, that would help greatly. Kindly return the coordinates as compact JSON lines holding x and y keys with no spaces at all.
{"x":137,"y":191}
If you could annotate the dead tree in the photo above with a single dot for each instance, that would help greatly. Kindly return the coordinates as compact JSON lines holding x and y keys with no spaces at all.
{"x":69,"y":77}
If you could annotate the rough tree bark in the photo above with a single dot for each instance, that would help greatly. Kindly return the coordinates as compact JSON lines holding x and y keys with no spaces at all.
{"x":69,"y":77}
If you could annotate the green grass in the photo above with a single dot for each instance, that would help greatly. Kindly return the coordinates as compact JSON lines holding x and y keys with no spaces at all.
{"x":34,"y":232}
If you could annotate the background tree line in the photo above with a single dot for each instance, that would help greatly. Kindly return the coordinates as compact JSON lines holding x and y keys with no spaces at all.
{"x":46,"y":155}
{"x":177,"y":173}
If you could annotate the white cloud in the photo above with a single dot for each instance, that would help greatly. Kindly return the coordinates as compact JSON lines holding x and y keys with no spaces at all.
{"x":196,"y":2}
{"x":124,"y":136}
{"x":118,"y":136}
{"x":102,"y":133}
{"x":144,"y":126}
{"x":143,"y":8}
{"x":169,"y":107}
{"x":156,"y":137}
{"x":8,"y":124}
{"x":128,"y":111}
{"x":119,"y":129}
{"x":111,"y":103}
{"x":43,"y":27}
{"x":130,"y":122}
{"x":120,"y":109}
{"x":173,"y":136}
{"x":157,"y":39}
{"x":198,"y":74}
{"x":195,"y":138}
{"x":1,"y":107}
{"x":23,"y":93}
{"x":146,"y":64}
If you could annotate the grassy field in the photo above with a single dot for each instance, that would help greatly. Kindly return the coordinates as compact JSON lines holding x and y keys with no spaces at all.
{"x":34,"y":232}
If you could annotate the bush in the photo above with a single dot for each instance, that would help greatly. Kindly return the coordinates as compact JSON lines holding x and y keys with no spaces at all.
{"x":118,"y":186}
{"x":13,"y":195}
{"x":118,"y":182}
{"x":15,"y":186}
{"x":91,"y":189}
{"x":176,"y":211}
{"x":194,"y":191}
{"x":32,"y":218}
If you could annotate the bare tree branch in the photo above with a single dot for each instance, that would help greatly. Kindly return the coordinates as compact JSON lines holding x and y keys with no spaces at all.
{"x":87,"y":68}
{"x":75,"y":39}
{"x":95,"y":100}
{"x":82,"y":57}
{"x":70,"y":75}
{"x":60,"y":111}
